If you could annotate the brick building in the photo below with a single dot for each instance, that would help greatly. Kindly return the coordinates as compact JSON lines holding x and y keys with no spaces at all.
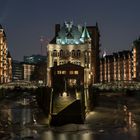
{"x":116,"y":67}
{"x":5,"y":59}
{"x":78,"y":45}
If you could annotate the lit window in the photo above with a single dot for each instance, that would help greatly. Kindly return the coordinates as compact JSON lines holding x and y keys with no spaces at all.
{"x":72,"y":82}
{"x":71,"y":72}
{"x":76,"y":72}
{"x":63,"y":72}
{"x":58,"y":72}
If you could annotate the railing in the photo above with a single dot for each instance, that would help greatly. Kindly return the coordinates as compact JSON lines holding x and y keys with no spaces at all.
{"x":119,"y":85}
{"x":21,"y":84}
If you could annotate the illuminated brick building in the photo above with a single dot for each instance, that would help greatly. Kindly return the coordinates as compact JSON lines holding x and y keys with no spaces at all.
{"x":9,"y":68}
{"x":136,"y":59}
{"x":106,"y":69}
{"x":116,"y":67}
{"x":77,"y":45}
{"x":5,"y":59}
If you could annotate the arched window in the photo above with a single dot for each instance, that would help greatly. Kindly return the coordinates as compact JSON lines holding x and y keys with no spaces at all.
{"x":61,"y":53}
{"x":73,"y":53}
{"x":78,"y":53}
{"x":55,"y":53}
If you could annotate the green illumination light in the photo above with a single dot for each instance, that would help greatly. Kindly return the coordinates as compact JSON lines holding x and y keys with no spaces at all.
{"x":70,"y":34}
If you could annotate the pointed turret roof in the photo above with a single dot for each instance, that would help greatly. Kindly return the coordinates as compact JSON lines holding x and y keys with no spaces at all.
{"x":85,"y":34}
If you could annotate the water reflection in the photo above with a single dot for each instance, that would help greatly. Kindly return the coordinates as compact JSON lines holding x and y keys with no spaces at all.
{"x":47,"y":136}
{"x":86,"y":136}
{"x":26,"y":116}
{"x":65,"y":136}
{"x":16,"y":117}
{"x":20,"y":114}
{"x":104,"y":124}
{"x":129,"y":118}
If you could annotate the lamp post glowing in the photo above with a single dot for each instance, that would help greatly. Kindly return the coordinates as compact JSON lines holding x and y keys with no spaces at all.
{"x":65,"y":89}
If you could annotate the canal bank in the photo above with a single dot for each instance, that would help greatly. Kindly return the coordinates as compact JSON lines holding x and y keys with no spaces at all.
{"x":115,"y":115}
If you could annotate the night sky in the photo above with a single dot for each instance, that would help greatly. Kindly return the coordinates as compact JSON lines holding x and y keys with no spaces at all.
{"x":25,"y":21}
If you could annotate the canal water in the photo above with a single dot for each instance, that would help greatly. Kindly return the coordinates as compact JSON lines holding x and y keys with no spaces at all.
{"x":115,"y":118}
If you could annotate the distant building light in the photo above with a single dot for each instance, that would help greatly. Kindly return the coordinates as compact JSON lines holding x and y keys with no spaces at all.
{"x":104,"y":54}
